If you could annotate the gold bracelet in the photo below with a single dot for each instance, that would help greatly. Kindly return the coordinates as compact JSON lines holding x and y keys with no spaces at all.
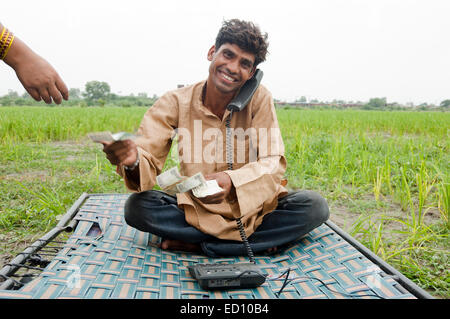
{"x":1,"y":40}
{"x":6,"y":40}
{"x":3,"y":31}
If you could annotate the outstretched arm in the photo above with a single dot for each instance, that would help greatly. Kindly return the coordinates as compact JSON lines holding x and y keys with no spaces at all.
{"x":37,"y":76}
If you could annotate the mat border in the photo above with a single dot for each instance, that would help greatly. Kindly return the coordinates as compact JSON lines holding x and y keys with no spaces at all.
{"x":67,"y":223}
{"x":410,"y":286}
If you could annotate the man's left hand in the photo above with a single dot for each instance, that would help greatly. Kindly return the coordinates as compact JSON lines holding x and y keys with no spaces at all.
{"x":224,"y":181}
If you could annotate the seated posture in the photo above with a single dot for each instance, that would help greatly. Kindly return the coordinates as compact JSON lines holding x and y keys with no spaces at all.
{"x":249,"y":168}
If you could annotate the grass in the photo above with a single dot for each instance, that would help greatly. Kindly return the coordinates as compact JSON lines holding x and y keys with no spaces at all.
{"x":384,"y":174}
{"x":390,"y":172}
{"x":46,"y":124}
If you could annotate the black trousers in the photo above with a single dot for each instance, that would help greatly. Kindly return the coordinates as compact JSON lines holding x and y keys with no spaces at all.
{"x":297,"y":214}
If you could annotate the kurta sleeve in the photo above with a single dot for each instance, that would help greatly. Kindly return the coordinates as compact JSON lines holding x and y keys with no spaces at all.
{"x":154,"y":140}
{"x":257,"y":183}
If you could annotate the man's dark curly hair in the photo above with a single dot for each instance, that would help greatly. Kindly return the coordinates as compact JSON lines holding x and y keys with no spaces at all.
{"x":245,"y":35}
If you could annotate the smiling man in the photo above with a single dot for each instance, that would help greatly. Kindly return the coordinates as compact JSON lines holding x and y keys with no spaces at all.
{"x":252,"y":191}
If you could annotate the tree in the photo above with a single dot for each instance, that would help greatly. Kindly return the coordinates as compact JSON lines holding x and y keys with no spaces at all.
{"x":6,"y":101}
{"x":75,"y":93}
{"x":445,"y":103}
{"x":25,"y":95}
{"x":301,"y":100}
{"x":12,"y":94}
{"x":376,"y":103}
{"x":101,"y":102}
{"x":20,"y":101}
{"x":95,"y":90}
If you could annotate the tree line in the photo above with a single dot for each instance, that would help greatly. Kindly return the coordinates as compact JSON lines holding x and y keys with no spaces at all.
{"x":97,"y":93}
{"x":376,"y":103}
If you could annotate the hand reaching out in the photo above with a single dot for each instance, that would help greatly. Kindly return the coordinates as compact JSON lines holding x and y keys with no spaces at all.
{"x":41,"y":80}
{"x":37,"y":76}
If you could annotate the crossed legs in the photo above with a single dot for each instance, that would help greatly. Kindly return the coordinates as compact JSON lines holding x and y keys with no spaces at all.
{"x":156,"y":212}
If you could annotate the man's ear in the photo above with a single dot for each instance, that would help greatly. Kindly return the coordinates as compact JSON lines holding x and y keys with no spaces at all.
{"x":211,"y":52}
{"x":253,"y":72}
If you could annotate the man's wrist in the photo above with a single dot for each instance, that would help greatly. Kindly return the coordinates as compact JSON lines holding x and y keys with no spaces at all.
{"x":232,"y":197}
{"x":133,"y":166}
{"x":18,"y":53}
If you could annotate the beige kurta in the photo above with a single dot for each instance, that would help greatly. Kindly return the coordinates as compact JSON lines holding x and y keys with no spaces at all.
{"x":258,"y":159}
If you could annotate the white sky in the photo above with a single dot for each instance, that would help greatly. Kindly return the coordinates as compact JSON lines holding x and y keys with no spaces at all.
{"x":324,"y":49}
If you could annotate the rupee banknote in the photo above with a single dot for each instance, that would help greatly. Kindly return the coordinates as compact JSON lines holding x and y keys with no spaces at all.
{"x":169,"y":177}
{"x":210,"y":187}
{"x":191,"y":182}
{"x":172,"y":182}
{"x":109,"y":137}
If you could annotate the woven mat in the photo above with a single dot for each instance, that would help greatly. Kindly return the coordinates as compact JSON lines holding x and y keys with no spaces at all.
{"x":117,"y":261}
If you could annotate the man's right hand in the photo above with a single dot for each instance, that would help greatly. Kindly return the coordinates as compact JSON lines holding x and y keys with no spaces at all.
{"x":121,"y":152}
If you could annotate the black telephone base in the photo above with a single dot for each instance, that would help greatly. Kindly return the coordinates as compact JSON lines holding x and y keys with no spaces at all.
{"x":227,"y":276}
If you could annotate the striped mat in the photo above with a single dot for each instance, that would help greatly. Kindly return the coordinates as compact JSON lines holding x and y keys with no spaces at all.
{"x":105,"y":258}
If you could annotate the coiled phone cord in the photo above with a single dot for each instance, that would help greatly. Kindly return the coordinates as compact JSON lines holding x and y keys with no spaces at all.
{"x":251,"y":257}
{"x":228,"y":141}
{"x":230,"y":167}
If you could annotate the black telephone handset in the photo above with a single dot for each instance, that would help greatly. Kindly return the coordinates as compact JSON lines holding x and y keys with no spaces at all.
{"x":246,"y":93}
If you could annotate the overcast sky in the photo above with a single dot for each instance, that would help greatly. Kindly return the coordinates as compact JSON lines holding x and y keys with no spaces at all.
{"x":323,"y":49}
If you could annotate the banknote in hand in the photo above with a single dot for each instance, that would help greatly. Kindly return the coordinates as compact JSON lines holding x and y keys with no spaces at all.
{"x":172,"y":182}
{"x":169,"y":177}
{"x":109,"y":137}
{"x":208,"y":188}
{"x":191,"y":182}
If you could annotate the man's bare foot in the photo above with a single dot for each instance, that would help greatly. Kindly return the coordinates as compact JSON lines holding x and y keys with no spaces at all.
{"x":272,"y":250}
{"x":172,"y":244}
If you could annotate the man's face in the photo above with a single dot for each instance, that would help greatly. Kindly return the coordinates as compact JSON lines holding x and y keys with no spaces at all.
{"x":230,"y":67}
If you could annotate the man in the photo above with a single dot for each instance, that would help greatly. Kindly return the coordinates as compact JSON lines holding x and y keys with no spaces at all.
{"x":252,"y":190}
{"x":37,"y":76}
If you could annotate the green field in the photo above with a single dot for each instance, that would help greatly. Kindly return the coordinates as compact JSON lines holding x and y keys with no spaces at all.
{"x":385,"y":175}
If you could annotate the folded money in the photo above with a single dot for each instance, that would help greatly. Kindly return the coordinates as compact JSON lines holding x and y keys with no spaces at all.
{"x":109,"y":137}
{"x":210,"y":187}
{"x":169,"y":178}
{"x":172,"y":182}
{"x":191,"y":182}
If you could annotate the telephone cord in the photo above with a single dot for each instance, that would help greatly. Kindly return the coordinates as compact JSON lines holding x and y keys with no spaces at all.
{"x":230,"y":167}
